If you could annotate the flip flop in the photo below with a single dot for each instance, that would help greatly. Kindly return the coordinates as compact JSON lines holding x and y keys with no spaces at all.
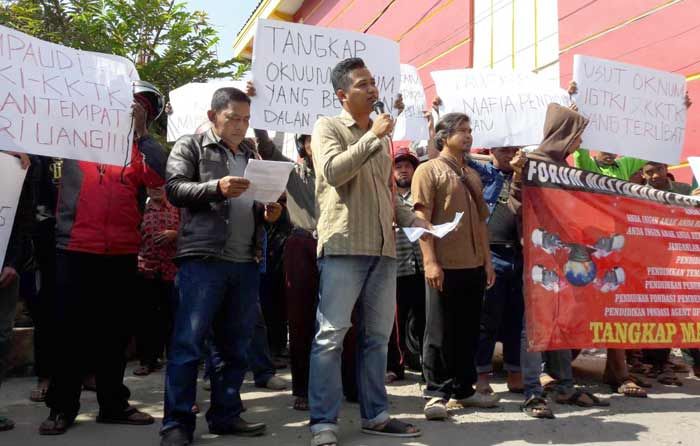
{"x":393,"y":428}
{"x":630,"y":389}
{"x":537,"y":407}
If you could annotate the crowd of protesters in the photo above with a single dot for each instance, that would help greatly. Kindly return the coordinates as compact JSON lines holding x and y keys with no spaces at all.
{"x":170,"y":251}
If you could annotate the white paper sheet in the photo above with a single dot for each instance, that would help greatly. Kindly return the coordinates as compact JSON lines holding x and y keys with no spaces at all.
{"x":438,"y":231}
{"x":632,"y":110}
{"x":11,"y":181}
{"x":268,"y":179}
{"x":63,"y":102}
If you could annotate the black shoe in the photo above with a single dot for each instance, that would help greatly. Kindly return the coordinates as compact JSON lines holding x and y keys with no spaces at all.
{"x":239,"y":427}
{"x":175,"y":437}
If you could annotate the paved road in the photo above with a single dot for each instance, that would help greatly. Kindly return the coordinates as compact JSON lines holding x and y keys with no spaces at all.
{"x":671,"y":416}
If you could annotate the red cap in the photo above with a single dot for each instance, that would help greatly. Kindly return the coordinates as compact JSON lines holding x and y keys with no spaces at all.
{"x":405,"y":154}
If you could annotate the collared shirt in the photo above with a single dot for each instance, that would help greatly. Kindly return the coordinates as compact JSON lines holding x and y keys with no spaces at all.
{"x":353,"y":174}
{"x":441,"y":193}
{"x":409,"y":259}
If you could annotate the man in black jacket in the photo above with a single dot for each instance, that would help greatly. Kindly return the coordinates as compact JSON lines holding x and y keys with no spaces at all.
{"x":219,"y":248}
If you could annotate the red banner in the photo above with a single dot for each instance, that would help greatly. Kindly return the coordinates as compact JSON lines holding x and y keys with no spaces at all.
{"x":608,"y":263}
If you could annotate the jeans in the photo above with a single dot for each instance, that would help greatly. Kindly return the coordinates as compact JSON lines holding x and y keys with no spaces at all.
{"x":219,"y":297}
{"x":558,"y":364}
{"x":452,"y":334}
{"x":369,"y":281}
{"x":502,"y":312}
{"x":8,"y":307}
{"x":259,"y":359}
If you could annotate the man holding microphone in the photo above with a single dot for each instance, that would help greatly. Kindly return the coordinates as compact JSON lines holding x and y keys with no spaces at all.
{"x":357,"y":254}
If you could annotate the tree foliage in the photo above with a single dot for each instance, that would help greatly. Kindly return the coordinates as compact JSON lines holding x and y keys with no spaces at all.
{"x":169,"y":45}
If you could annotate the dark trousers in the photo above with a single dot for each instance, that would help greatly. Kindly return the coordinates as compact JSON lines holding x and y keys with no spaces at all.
{"x":40,"y":305}
{"x":657,"y":357}
{"x":406,"y":342}
{"x":273,"y":308}
{"x":93,"y":313}
{"x":452,"y":334}
{"x":155,"y":318}
{"x":502,"y":312}
{"x":301,"y":278}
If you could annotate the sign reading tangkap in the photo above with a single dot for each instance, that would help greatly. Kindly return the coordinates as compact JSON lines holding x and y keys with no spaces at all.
{"x":11,"y":181}
{"x":61,"y":102}
{"x":608,"y":263}
{"x":292,"y":66}
{"x":411,"y":124}
{"x":506,"y":108}
{"x":633,"y":110}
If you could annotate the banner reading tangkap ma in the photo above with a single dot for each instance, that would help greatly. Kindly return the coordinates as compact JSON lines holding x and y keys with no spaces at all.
{"x":608,"y":263}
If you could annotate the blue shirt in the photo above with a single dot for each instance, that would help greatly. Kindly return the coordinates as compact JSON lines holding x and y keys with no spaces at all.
{"x":492,"y":179}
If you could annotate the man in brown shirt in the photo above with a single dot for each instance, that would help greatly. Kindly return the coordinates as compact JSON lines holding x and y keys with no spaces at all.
{"x":457,"y":268}
{"x":357,"y":254}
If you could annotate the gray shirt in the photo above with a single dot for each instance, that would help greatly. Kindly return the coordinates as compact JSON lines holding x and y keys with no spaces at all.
{"x":301,"y":187}
{"x":239,"y":245}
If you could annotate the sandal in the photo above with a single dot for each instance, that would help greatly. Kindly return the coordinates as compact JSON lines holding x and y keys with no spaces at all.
{"x":6,"y":424}
{"x":577,"y":398}
{"x":56,"y":424}
{"x":390,"y":377}
{"x":324,"y":438}
{"x":669,"y":378}
{"x":537,"y":407}
{"x":131,"y":416}
{"x":639,"y":381}
{"x":142,"y":370}
{"x":630,"y":389}
{"x":393,"y":428}
{"x":301,"y":403}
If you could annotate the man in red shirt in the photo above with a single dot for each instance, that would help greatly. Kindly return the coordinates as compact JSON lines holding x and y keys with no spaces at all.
{"x":97,"y":239}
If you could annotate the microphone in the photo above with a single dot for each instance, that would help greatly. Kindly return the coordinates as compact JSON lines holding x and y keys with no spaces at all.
{"x":378,"y":107}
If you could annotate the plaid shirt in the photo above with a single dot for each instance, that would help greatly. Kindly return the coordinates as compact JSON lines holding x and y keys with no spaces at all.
{"x":353,"y":177}
{"x":157,"y":260}
{"x":409,"y":260}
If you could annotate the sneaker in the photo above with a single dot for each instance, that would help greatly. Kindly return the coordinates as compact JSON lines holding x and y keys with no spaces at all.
{"x":435,"y":409}
{"x":477,"y":400}
{"x":275,"y":383}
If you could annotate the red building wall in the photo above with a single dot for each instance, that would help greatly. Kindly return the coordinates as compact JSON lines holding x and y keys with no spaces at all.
{"x":435,"y":35}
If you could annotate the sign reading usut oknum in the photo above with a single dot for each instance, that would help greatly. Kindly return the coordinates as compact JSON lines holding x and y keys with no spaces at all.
{"x":292,"y":66}
{"x":11,"y":180}
{"x":62,"y":102}
{"x":411,"y":124}
{"x":506,"y":108}
{"x":634,"y":111}
{"x":608,"y":263}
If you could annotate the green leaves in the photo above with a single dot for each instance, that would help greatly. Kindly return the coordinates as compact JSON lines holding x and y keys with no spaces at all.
{"x":170,"y":45}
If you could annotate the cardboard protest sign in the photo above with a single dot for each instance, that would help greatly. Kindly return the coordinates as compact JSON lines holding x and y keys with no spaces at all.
{"x":634,"y":111}
{"x":61,"y":102}
{"x":411,"y":125}
{"x":506,"y":108}
{"x":292,"y":66}
{"x":190,"y":104}
{"x":11,"y":181}
{"x":694,"y":162}
{"x":608,"y":263}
